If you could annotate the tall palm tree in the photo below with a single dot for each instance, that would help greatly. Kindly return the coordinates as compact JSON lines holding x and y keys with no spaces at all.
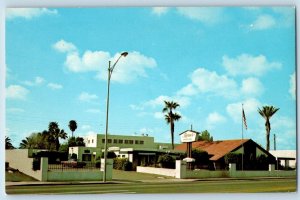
{"x":72,"y":126}
{"x":8,"y":144}
{"x":171,"y":116}
{"x":55,"y":133}
{"x":267,"y":112}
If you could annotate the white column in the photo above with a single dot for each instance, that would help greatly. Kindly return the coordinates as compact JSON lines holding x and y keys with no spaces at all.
{"x":180,"y":169}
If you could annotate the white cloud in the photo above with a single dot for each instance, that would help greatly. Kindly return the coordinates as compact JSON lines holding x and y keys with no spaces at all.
{"x":188,"y":90}
{"x":252,"y":87}
{"x":54,"y":86}
{"x":210,"y":82}
{"x":84,"y":96}
{"x":85,"y":127}
{"x":37,"y":81}
{"x":28,"y":13}
{"x":263,"y":22}
{"x":160,"y":10}
{"x":206,"y":15}
{"x":215,"y":118}
{"x":292,"y":89}
{"x":250,"y":107}
{"x":159,"y":101}
{"x":64,"y":47}
{"x":246,"y":64}
{"x":127,"y":69}
{"x":16,"y":92}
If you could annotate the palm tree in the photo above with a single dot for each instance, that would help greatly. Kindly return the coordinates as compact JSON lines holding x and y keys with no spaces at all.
{"x":55,"y":133}
{"x":72,"y":126}
{"x":267,"y":112}
{"x":8,"y":144}
{"x":171,"y":117}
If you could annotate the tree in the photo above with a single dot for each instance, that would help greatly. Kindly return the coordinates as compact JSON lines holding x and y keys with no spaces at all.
{"x":8,"y":144}
{"x":171,"y":117}
{"x":55,"y":134}
{"x":267,"y":112}
{"x":205,"y":136}
{"x":72,"y":126}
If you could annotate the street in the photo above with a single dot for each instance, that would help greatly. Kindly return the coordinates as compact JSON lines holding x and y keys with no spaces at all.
{"x":170,"y":186}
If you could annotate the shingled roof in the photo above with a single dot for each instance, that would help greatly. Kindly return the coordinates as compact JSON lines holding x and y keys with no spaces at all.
{"x":216,"y":149}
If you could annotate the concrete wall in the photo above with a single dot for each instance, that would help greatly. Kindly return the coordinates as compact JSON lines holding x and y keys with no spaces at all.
{"x":18,"y":159}
{"x":158,"y":171}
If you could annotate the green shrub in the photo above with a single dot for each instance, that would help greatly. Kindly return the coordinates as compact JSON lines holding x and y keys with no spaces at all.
{"x":127,"y":166}
{"x":201,"y":157}
{"x":166,"y":161}
{"x":110,"y":154}
{"x":119,"y":163}
{"x":36,"y":163}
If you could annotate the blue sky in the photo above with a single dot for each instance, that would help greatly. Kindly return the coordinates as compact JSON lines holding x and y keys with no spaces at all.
{"x":210,"y":60}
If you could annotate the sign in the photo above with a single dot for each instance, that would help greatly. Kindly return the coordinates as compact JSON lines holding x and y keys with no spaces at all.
{"x":189,"y":136}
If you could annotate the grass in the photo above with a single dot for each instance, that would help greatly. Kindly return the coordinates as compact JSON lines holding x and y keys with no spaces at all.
{"x":135,"y":176}
{"x":17,"y":176}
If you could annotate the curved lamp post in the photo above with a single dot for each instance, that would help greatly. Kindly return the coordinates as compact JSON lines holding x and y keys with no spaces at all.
{"x":110,"y":70}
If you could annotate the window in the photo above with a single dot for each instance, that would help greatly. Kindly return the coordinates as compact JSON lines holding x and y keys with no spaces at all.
{"x":115,"y":141}
{"x":86,"y":151}
{"x":92,"y":140}
{"x":120,"y":141}
{"x":88,"y":141}
{"x":141,"y":142}
{"x":136,"y":142}
{"x":126,"y":141}
{"x":123,"y":156}
{"x":103,"y":140}
{"x":109,"y":141}
{"x":86,"y":157}
{"x":130,"y":141}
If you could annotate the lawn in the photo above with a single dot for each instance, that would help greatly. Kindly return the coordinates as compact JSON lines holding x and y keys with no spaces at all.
{"x":135,"y":176}
{"x":17,"y":176}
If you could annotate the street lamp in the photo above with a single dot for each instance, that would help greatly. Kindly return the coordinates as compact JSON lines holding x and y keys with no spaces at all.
{"x":110,"y":70}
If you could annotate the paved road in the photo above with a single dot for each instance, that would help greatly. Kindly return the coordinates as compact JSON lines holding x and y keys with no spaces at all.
{"x":171,"y":186}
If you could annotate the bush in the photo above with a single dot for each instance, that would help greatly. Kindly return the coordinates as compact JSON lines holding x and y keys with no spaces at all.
{"x":201,"y":157}
{"x":119,"y":163}
{"x":74,"y":156}
{"x":54,"y":157}
{"x":127,"y":166}
{"x":166,"y":161}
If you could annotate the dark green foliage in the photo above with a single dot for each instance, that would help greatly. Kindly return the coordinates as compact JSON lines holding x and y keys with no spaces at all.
{"x":166,"y":161}
{"x":54,"y":157}
{"x":74,"y":156}
{"x":250,"y":163}
{"x":8,"y":144}
{"x":122,"y":164}
{"x":201,"y":158}
{"x":205,"y":136}
{"x":127,"y":166}
{"x":78,"y":141}
{"x":36,"y":163}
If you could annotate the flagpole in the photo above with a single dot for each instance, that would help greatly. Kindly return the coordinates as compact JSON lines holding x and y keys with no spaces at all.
{"x":242,"y":138}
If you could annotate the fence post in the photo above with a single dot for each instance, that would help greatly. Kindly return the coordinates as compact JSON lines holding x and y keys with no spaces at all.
{"x":180,"y":171}
{"x":44,"y":168}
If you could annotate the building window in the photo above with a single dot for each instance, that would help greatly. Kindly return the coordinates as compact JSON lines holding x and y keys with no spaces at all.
{"x":115,"y":141}
{"x":120,"y":141}
{"x":103,"y":140}
{"x":130,"y":141}
{"x":88,"y":141}
{"x":87,"y":151}
{"x":136,"y":142}
{"x":141,"y":142}
{"x":123,"y":156}
{"x":109,"y":141}
{"x":86,"y":157}
{"x":92,"y":140}
{"x":126,"y":141}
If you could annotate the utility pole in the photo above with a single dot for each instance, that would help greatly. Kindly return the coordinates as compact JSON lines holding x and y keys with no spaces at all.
{"x":274,"y":142}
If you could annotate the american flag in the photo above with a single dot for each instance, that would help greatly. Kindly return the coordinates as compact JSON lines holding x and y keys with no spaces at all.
{"x":244,"y":119}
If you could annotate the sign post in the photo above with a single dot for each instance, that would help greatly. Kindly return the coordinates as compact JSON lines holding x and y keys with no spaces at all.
{"x":189,"y":137}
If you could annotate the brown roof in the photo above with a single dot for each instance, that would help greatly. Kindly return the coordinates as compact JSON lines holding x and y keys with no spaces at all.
{"x":217,"y":149}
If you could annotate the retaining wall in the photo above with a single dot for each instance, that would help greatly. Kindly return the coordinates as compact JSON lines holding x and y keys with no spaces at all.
{"x":158,"y":171}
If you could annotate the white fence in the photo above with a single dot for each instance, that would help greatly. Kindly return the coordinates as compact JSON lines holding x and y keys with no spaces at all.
{"x":182,"y":172}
